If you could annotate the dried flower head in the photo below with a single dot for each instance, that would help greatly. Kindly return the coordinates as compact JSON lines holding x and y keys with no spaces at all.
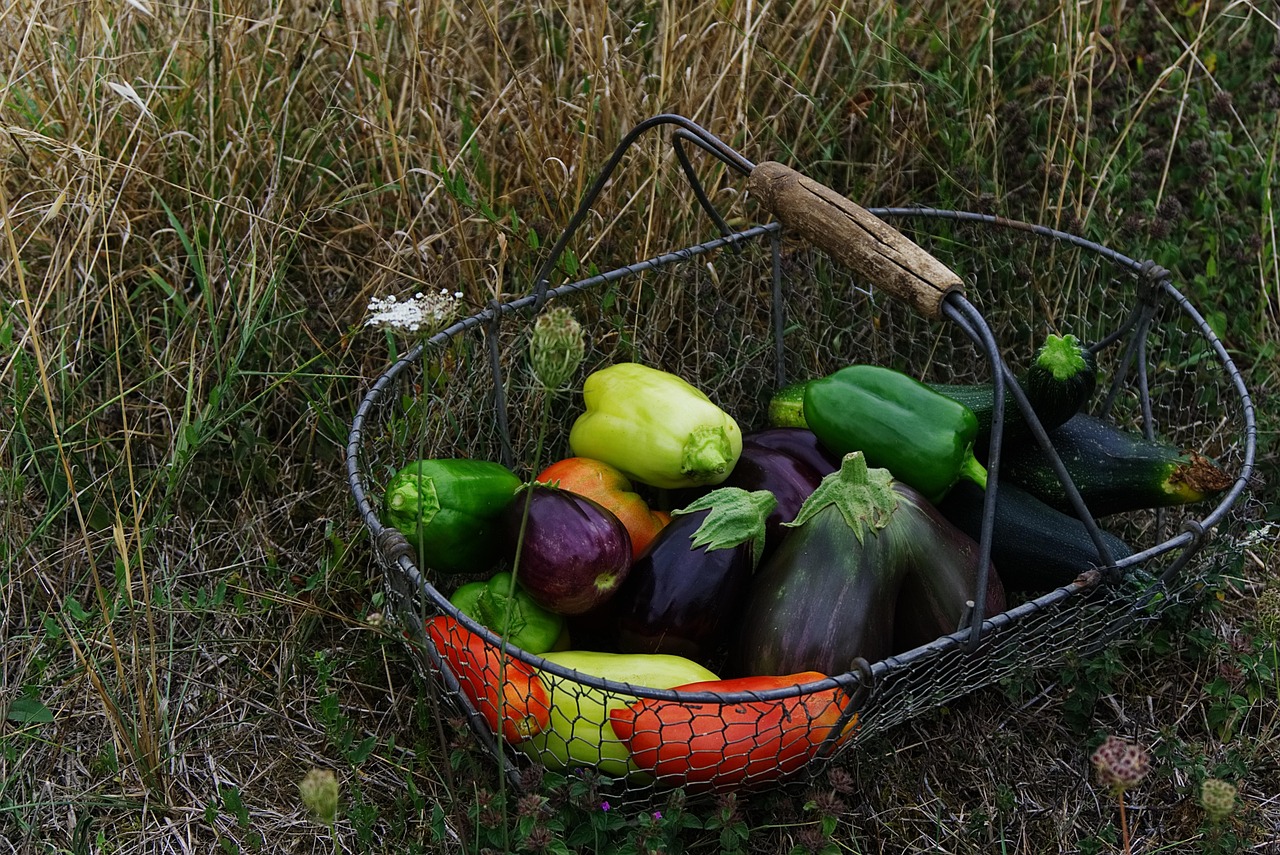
{"x":319,"y":792}
{"x":556,"y":347}
{"x":1266,"y":612}
{"x":531,"y":778}
{"x":421,"y":313}
{"x":1220,"y":105}
{"x":530,"y":804}
{"x":1119,"y":764}
{"x":540,"y":838}
{"x":841,"y":780}
{"x":1218,"y":798}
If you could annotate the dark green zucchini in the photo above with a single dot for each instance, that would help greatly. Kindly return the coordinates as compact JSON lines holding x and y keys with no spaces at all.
{"x":1034,"y":547}
{"x":1115,"y":470}
{"x":1058,"y":384}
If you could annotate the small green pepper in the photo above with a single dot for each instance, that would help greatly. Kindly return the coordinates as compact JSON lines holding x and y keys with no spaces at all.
{"x":923,"y":438}
{"x":528,"y":625}
{"x":449,"y":509}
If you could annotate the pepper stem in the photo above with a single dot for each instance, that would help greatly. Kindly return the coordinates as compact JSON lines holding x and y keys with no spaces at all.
{"x":865,"y":497}
{"x":973,"y":470}
{"x":706,"y":454}
{"x":416,"y":499}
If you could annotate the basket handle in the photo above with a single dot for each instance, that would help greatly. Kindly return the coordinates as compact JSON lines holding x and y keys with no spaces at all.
{"x":855,"y":237}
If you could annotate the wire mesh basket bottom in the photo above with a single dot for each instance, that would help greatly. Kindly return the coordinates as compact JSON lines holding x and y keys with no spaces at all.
{"x":739,"y":321}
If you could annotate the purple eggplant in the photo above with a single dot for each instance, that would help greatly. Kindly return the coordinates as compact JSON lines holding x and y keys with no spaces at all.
{"x":685,"y":592}
{"x":829,"y":592}
{"x":800,"y":443}
{"x":574,"y":554}
{"x":789,"y":479}
{"x":942,"y":581}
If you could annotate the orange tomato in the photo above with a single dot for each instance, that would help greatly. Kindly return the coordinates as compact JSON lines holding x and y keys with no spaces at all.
{"x":605,"y":485}
{"x":498,"y":686}
{"x":731,"y":745}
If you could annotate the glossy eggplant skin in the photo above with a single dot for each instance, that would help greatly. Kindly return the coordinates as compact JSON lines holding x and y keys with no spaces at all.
{"x":800,"y":443}
{"x":880,"y":573}
{"x":575,"y":553}
{"x":822,"y":599}
{"x":682,"y":599}
{"x":942,"y":578}
{"x":788,"y":478}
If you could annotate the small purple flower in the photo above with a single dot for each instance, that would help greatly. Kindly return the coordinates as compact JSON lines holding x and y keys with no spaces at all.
{"x":657,"y":815}
{"x":604,"y":806}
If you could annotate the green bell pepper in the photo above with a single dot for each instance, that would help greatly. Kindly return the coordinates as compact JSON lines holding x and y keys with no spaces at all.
{"x":450,"y":510}
{"x":528,"y":625}
{"x":923,"y":438}
{"x":655,"y":428}
{"x":579,"y":733}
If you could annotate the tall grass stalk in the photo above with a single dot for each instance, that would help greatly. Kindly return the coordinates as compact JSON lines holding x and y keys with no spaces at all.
{"x":198,"y":200}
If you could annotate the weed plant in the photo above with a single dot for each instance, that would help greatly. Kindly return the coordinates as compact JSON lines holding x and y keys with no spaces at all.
{"x":198,"y":202}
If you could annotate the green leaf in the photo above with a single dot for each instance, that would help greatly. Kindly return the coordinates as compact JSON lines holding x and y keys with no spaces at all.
{"x":77,"y":612}
{"x":361,"y":752}
{"x":864,"y":497}
{"x":29,"y":710}
{"x":735,"y":517}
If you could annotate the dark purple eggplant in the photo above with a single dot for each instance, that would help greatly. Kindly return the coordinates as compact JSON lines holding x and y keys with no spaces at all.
{"x":800,"y":443}
{"x":942,"y":581}
{"x":575,"y":553}
{"x":789,"y":479}
{"x":830,"y":592}
{"x":686,"y":591}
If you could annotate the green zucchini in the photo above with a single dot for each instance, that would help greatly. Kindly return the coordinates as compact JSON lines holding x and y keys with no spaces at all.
{"x":1033,"y":546}
{"x":1114,"y":470}
{"x":1058,"y":384}
{"x":786,"y":407}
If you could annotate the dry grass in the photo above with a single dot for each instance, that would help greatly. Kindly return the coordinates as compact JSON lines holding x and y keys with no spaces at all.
{"x":198,"y":201}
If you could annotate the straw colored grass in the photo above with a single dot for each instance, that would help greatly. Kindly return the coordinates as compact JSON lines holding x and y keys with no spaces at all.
{"x":198,"y":201}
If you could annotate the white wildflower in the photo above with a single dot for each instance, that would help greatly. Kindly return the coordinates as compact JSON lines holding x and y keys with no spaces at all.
{"x":419,"y":313}
{"x":1264,"y":534}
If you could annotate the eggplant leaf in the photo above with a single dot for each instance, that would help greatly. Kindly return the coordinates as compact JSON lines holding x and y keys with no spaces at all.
{"x":864,"y":497}
{"x":735,"y":517}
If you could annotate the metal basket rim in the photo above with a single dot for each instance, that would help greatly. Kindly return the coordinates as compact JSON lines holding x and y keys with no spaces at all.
{"x":1189,"y":538}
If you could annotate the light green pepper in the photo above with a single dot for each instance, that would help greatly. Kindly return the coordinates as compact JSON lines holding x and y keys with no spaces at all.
{"x":655,"y":427}
{"x":579,"y":733}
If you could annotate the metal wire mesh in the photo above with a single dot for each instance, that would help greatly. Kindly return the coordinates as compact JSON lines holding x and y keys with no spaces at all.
{"x":736,"y":317}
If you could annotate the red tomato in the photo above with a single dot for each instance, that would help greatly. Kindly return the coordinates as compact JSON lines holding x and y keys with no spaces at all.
{"x":479,"y":667}
{"x":731,"y":745}
{"x":604,"y":484}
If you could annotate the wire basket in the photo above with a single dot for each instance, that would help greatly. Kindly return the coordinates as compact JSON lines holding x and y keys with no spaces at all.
{"x":739,"y":315}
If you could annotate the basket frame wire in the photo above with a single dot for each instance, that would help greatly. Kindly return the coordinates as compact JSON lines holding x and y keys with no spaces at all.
{"x":397,"y":556}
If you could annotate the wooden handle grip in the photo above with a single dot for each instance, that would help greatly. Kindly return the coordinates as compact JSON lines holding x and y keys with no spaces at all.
{"x":855,"y":237}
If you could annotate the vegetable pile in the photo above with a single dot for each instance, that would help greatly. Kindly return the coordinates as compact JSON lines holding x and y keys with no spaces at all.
{"x":671,"y":551}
